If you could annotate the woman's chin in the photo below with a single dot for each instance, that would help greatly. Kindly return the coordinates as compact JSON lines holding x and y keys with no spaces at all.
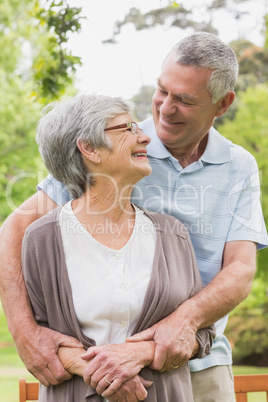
{"x":143,"y":173}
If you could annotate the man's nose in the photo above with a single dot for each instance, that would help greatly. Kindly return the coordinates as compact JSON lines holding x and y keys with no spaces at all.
{"x":168,"y":106}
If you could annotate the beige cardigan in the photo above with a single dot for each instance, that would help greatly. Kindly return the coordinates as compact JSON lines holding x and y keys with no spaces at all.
{"x":175,"y":278}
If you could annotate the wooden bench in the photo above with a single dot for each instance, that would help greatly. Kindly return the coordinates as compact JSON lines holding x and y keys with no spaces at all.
{"x":242,"y":384}
{"x":28,"y":391}
{"x":250,"y":383}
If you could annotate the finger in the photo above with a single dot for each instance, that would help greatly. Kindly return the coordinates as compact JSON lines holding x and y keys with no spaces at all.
{"x":124,"y":394}
{"x":65,"y":340}
{"x":146,"y":335}
{"x":91,"y":374}
{"x":145,"y":383}
{"x":57,"y":370}
{"x":140,"y":392}
{"x":92,"y":352}
{"x":160,"y":358}
{"x":131,"y":398}
{"x":53,"y":374}
{"x":103,"y":385}
{"x":174,"y":365}
{"x":40,"y":377}
{"x":111,"y":389}
{"x":45,"y":377}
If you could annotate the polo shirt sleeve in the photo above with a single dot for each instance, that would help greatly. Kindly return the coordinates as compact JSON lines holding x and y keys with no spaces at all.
{"x":55,"y":190}
{"x":245,"y":207}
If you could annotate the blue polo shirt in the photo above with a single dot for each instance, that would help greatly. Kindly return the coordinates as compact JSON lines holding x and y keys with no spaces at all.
{"x":217,"y":198}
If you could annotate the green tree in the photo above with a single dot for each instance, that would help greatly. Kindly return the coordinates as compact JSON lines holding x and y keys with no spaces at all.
{"x":177,"y":14}
{"x":35,"y":68}
{"x":248,"y":326}
{"x":249,"y":128}
{"x":143,"y":102}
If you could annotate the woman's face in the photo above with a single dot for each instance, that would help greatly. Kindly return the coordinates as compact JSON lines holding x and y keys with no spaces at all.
{"x":127,"y":161}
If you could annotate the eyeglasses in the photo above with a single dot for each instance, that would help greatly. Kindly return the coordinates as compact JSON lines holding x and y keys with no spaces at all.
{"x":130,"y":125}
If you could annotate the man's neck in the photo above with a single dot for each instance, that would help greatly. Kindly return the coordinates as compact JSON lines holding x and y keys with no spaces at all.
{"x":191,"y":155}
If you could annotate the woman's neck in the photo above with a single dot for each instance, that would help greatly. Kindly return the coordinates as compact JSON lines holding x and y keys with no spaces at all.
{"x":106,"y":199}
{"x":106,"y":212}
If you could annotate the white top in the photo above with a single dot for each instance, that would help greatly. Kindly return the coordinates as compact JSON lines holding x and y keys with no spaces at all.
{"x":108,"y":285}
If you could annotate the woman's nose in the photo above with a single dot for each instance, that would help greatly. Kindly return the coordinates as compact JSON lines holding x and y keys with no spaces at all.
{"x":143,"y":138}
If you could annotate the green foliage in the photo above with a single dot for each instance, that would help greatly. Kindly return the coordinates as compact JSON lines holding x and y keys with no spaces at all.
{"x":248,"y":324}
{"x":53,"y":65}
{"x":176,"y":14}
{"x":248,"y":327}
{"x":249,"y":128}
{"x":252,"y":61}
{"x":143,"y":102}
{"x":266,"y":31}
{"x":35,"y":68}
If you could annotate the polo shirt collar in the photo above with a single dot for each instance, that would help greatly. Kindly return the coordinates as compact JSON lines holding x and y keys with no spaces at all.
{"x":217,"y":150}
{"x":156,"y":148}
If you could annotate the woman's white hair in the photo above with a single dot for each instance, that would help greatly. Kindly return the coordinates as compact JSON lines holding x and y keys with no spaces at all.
{"x":81,"y":118}
{"x":205,"y":50}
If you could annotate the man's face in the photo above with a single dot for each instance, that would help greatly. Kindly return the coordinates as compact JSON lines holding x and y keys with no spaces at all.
{"x":182,"y":108}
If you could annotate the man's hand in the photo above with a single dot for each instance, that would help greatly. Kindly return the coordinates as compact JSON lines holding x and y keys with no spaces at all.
{"x":133,"y":390}
{"x":113,"y":365}
{"x":38,"y":348}
{"x":175,"y":342}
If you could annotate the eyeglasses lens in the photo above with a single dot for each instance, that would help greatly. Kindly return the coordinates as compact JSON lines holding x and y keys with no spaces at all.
{"x":135,"y":128}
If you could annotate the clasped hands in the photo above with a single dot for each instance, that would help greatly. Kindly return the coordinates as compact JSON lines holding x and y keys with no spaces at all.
{"x":113,"y":369}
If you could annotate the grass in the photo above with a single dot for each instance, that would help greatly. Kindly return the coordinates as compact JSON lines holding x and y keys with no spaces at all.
{"x":12,"y":368}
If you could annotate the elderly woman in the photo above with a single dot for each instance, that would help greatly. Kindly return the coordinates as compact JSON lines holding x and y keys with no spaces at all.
{"x":100,"y":268}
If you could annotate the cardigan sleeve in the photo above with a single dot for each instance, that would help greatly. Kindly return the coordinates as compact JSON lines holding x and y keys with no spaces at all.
{"x":30,"y":268}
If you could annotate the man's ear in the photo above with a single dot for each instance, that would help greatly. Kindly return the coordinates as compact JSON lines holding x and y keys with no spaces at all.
{"x":88,"y":152}
{"x":225,"y":103}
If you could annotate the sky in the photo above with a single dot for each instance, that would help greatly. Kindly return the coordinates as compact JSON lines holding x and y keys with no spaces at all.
{"x":121,"y":69}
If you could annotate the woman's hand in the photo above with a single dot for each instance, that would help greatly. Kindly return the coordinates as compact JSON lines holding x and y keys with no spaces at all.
{"x":133,"y":390}
{"x":113,"y":365}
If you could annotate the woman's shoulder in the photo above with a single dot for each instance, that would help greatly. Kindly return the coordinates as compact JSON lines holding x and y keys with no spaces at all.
{"x":167,"y":224}
{"x":44,"y":224}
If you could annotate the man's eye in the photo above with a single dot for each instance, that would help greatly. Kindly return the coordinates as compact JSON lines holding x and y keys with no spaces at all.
{"x":162,"y":91}
{"x":184,"y":102}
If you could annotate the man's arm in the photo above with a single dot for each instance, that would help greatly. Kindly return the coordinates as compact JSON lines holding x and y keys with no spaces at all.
{"x":37,"y":346}
{"x":219,"y":297}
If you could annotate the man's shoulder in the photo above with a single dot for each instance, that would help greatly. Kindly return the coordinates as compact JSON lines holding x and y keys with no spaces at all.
{"x":236,"y":150}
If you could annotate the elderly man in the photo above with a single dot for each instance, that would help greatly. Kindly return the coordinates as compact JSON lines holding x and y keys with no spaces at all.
{"x":198,"y":176}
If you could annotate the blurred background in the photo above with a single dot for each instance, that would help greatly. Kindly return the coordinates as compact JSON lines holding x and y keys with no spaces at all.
{"x":51,"y":49}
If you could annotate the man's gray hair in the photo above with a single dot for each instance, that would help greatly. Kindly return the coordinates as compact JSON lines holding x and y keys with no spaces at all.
{"x":205,"y":50}
{"x":81,"y":118}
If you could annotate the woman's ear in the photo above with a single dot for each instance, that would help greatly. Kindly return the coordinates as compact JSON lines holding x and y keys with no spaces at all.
{"x":88,"y":152}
